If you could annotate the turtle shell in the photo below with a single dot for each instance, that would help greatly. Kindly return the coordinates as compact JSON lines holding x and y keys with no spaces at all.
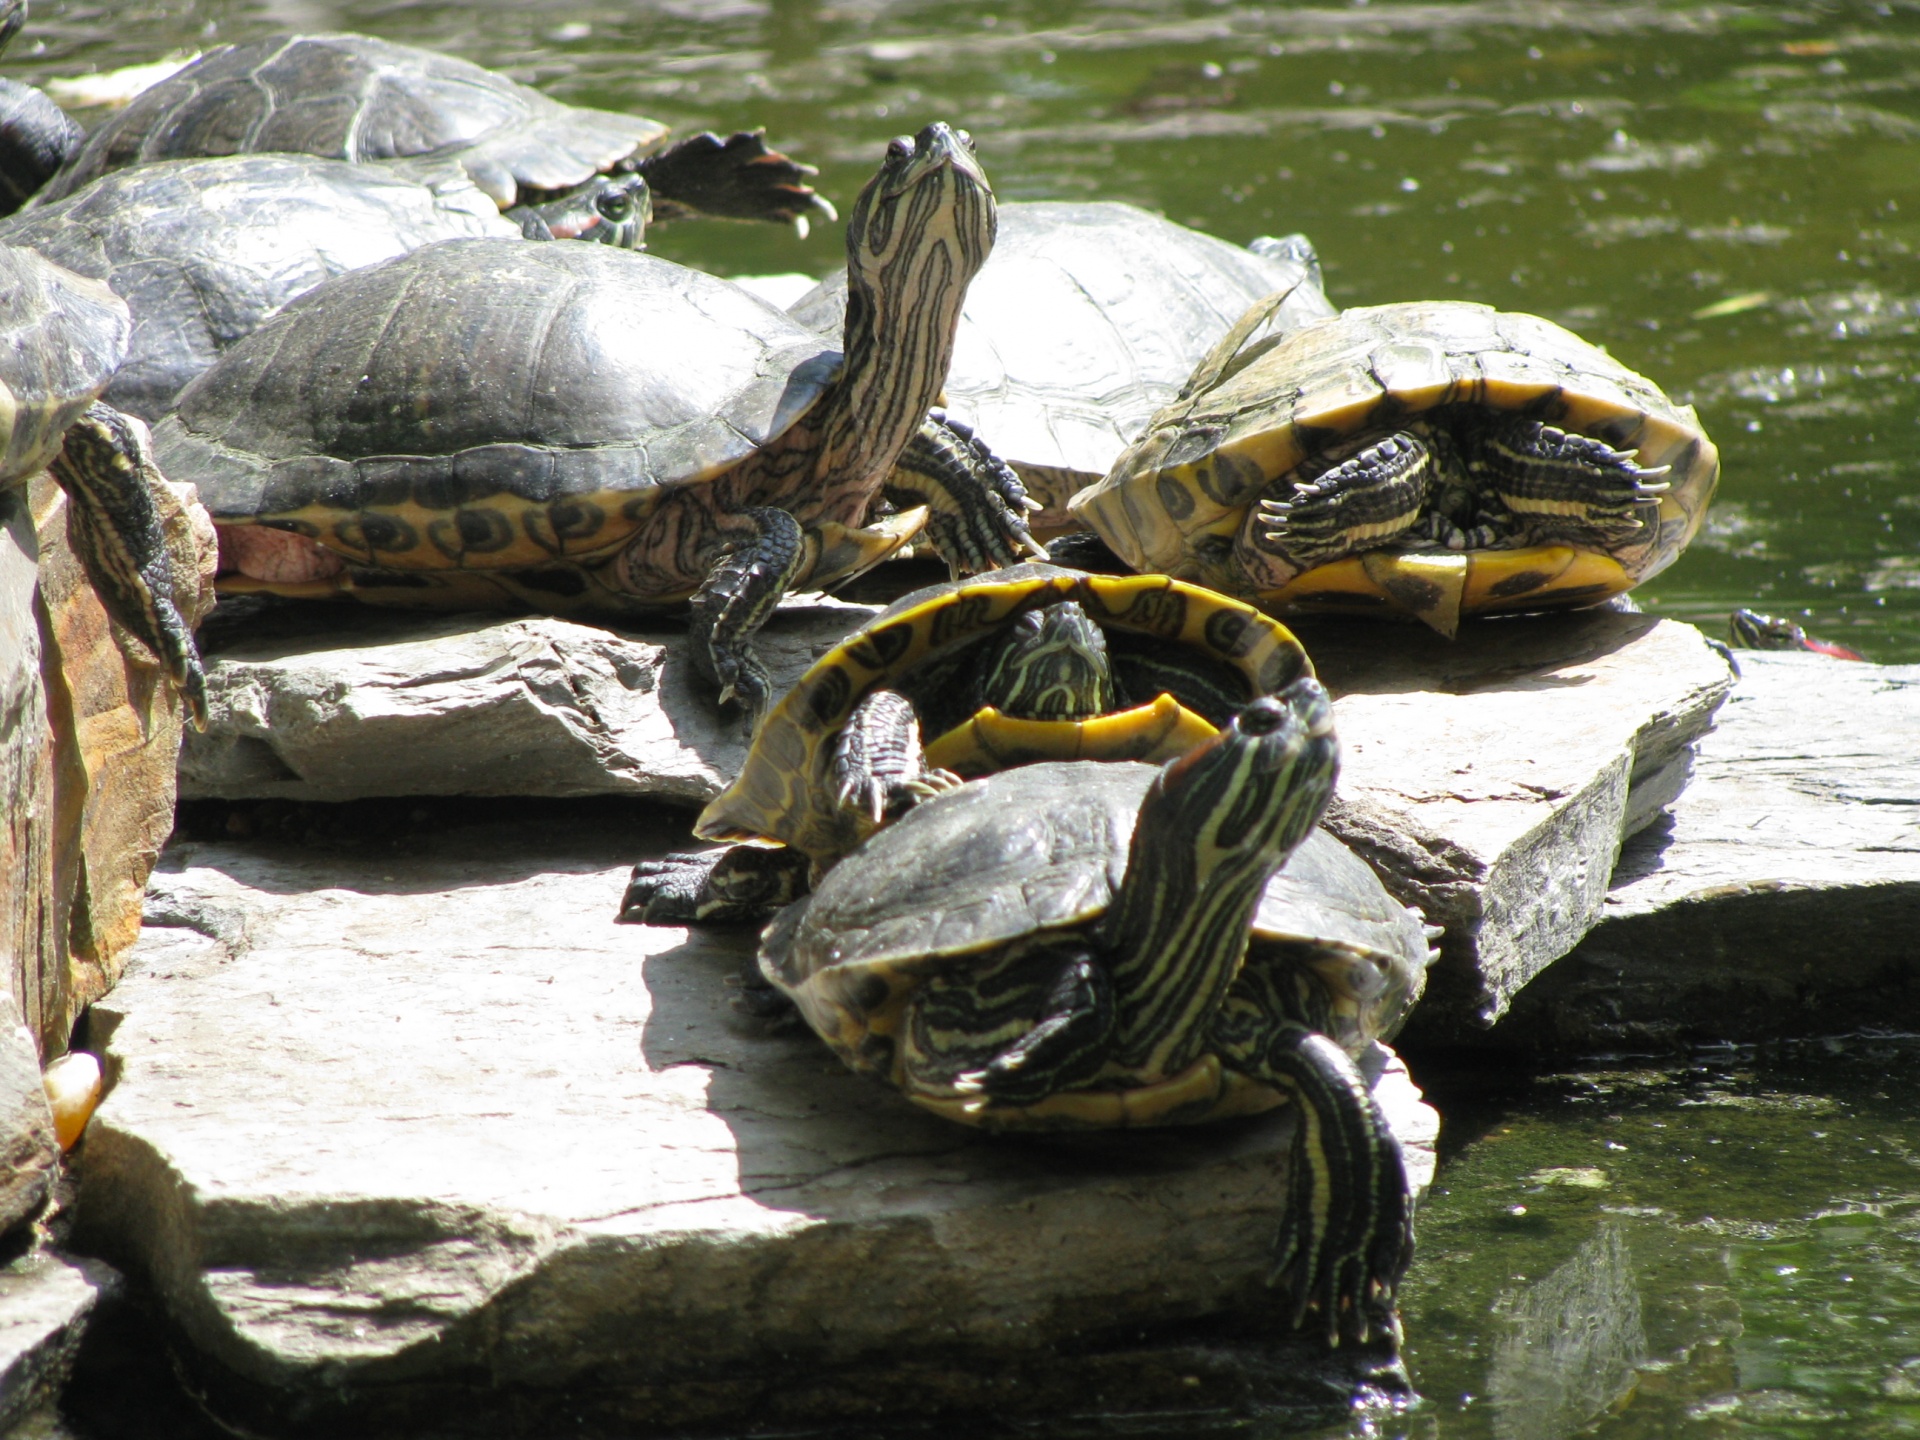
{"x":203,"y":251}
{"x":785,"y":791}
{"x":1178,"y":500}
{"x":355,"y":98}
{"x":1085,"y":321}
{"x":483,"y":407}
{"x":61,"y":336}
{"x":961,"y":877}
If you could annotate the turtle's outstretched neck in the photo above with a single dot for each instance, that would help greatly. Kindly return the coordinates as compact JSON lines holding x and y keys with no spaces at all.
{"x":908,"y":268}
{"x":1212,"y":830}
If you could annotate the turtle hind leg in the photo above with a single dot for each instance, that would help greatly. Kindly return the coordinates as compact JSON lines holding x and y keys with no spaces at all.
{"x":734,"y":884}
{"x":737,"y":178}
{"x":1361,"y":502}
{"x":1347,"y":1235}
{"x":879,"y":768}
{"x":1567,"y":486}
{"x":106,"y":468}
{"x":976,"y":506}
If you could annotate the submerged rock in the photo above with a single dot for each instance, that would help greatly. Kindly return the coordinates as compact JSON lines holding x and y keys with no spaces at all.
{"x":1779,"y":897}
{"x":426,"y":1128}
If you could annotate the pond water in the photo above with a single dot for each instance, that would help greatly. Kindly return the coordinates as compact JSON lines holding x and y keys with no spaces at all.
{"x":1724,"y":195}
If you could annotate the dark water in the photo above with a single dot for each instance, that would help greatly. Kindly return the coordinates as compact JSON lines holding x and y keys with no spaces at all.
{"x":1727,"y":196}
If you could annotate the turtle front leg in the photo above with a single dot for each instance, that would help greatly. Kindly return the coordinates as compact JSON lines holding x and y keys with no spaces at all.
{"x":732,"y":884}
{"x":976,"y":506}
{"x":766,"y":560}
{"x":1364,"y":501}
{"x":1347,"y":1236}
{"x":737,"y":178}
{"x":879,"y":768}
{"x":106,"y":468}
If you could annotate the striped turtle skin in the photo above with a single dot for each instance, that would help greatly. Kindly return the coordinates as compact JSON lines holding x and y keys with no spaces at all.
{"x":1091,"y":945}
{"x":1437,"y":459}
{"x":577,"y":429}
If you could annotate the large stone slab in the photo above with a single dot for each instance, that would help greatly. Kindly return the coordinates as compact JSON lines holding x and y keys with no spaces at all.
{"x":1781,"y":895}
{"x":29,"y":1154}
{"x":45,"y":1300}
{"x":341,"y":701}
{"x":398,"y":1128}
{"x":1491,"y":780}
{"x":89,"y":735}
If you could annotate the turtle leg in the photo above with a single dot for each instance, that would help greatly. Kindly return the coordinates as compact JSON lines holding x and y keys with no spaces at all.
{"x":737,"y":178}
{"x":1347,"y":1235}
{"x":106,"y":467}
{"x":761,"y":565}
{"x":1364,"y":501}
{"x":878,"y":766}
{"x":1569,"y":486}
{"x":976,"y":506}
{"x":733,"y":884}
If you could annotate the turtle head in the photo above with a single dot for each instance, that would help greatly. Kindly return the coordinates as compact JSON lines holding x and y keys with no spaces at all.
{"x":608,"y":209}
{"x":1051,"y":664}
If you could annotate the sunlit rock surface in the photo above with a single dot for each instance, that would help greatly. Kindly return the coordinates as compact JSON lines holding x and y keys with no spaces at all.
{"x":29,"y":1153}
{"x":398,"y":1122}
{"x":1780,"y":897}
{"x":45,"y":1300}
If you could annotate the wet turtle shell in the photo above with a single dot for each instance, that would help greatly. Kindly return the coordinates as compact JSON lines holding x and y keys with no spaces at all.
{"x":61,"y":338}
{"x":1041,"y":851}
{"x":1208,"y":652}
{"x":1185,"y":498}
{"x":1088,"y":318}
{"x":203,"y":251}
{"x":481,"y":407}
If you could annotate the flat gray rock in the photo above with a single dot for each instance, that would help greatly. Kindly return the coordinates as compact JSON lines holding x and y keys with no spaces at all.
{"x":342,"y":702}
{"x":45,"y":1300}
{"x":398,"y":1126}
{"x":1781,"y":895}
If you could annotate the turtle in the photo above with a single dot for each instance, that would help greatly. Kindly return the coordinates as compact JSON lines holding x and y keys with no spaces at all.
{"x":1083,"y":944}
{"x":37,"y":137}
{"x":583,"y":430}
{"x":203,"y":251}
{"x":1032,"y":662}
{"x":1436,"y":458}
{"x":1751,"y":630}
{"x":61,"y":335}
{"x":1086,"y":321}
{"x":357,"y":98}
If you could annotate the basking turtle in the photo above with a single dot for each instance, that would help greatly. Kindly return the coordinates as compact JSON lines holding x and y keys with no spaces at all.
{"x":1034,"y":662}
{"x":203,"y":251}
{"x":578,"y":429}
{"x":1087,"y":320}
{"x":1066,"y":946}
{"x":1750,"y":630}
{"x":60,"y":337}
{"x":352,"y":97}
{"x":37,"y":137}
{"x":1440,"y":459}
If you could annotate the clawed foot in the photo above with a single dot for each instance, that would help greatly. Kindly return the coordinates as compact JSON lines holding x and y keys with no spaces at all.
{"x":737,"y":178}
{"x":733,"y":884}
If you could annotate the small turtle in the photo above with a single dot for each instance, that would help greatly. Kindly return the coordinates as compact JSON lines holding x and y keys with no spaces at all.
{"x":1750,"y":630}
{"x":61,"y":335}
{"x":578,"y":429}
{"x":1090,"y":945}
{"x":352,"y":97}
{"x":1440,"y":459}
{"x":1034,"y":662}
{"x":37,"y":137}
{"x":203,"y":251}
{"x":1086,"y":321}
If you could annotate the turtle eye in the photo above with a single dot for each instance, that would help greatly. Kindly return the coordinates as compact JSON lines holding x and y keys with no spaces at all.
{"x":617,"y":206}
{"x":966,"y":139}
{"x":900,"y":147}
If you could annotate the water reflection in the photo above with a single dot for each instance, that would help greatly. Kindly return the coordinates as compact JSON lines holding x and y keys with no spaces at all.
{"x":1572,"y":1344}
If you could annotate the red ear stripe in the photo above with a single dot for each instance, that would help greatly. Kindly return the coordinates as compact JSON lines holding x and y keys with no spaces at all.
{"x":1838,"y":652}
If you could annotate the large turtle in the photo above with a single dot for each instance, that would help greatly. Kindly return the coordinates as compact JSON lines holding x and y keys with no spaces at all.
{"x":1087,"y":320}
{"x":1066,"y":946}
{"x":356,"y":98}
{"x":585,"y":430}
{"x":203,"y":251}
{"x":1034,"y":662}
{"x":61,"y":335}
{"x":1440,"y":459}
